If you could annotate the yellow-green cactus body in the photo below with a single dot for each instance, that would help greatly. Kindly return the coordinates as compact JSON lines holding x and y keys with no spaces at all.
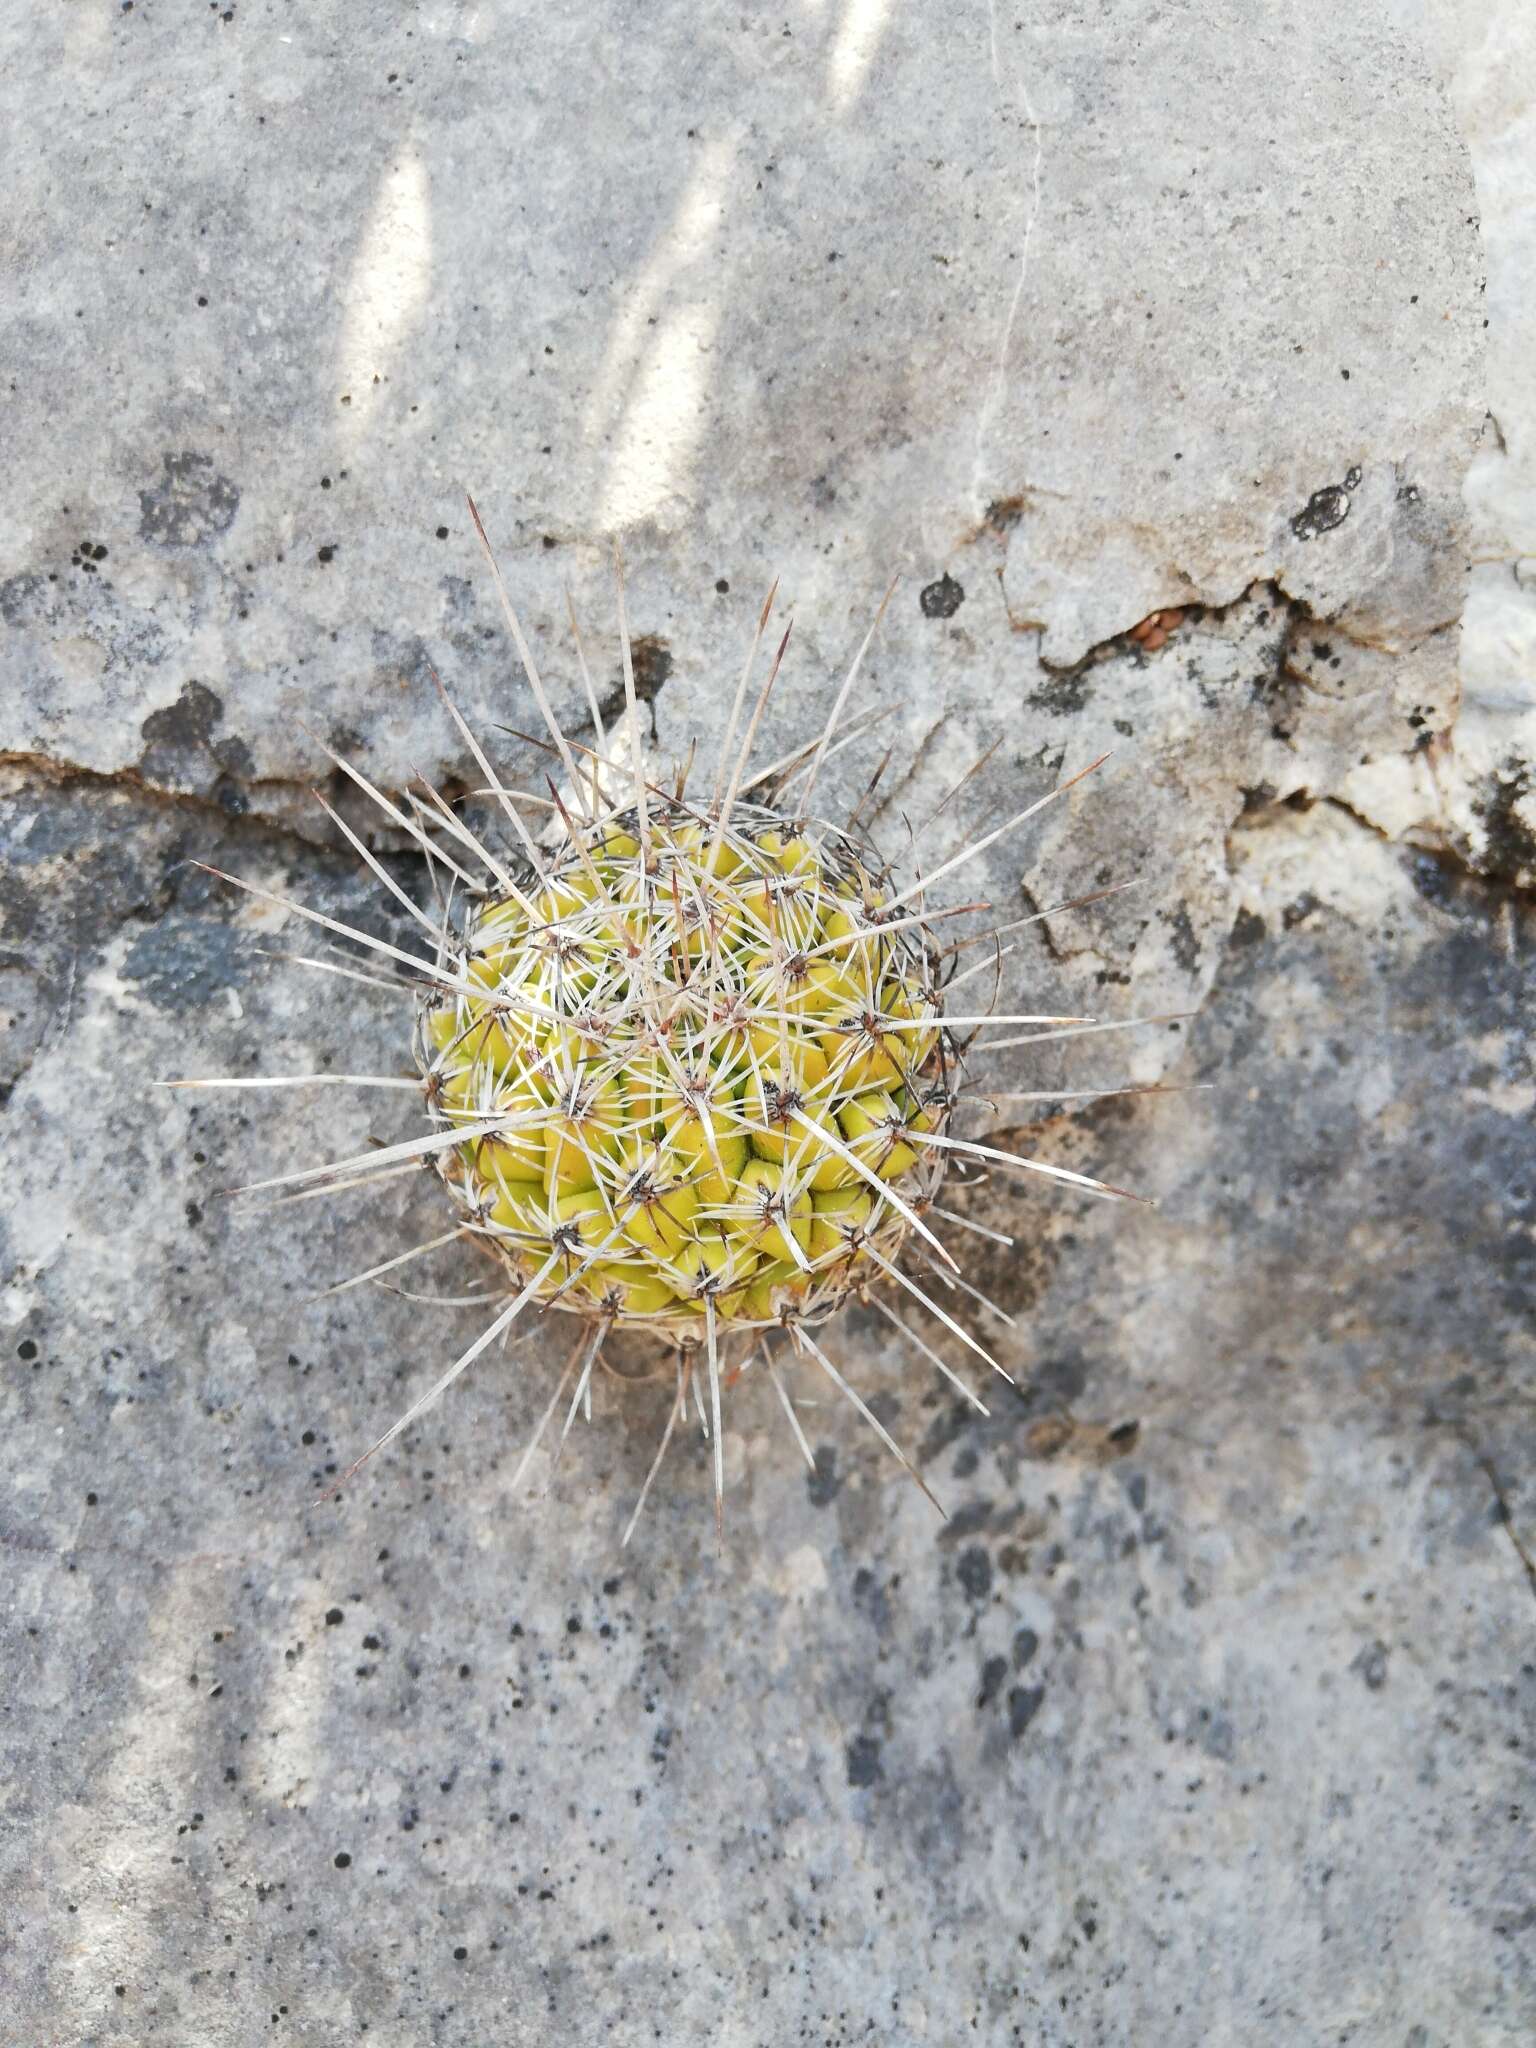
{"x":717,"y":1074}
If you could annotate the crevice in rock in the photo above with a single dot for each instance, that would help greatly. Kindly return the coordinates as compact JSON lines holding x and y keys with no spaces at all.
{"x":47,"y":769}
{"x":1193,"y":611}
{"x":1503,"y":1510}
{"x":651,"y":659}
{"x":1506,"y":1517}
{"x":1436,"y":848}
{"x":1507,"y":857}
{"x":99,"y":856}
{"x":284,"y":803}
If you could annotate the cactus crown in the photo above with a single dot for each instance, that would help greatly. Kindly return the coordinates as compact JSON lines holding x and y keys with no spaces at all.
{"x":699,"y":1059}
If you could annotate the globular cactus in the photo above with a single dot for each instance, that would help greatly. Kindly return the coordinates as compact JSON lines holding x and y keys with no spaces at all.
{"x":702,"y":1062}
{"x":686,"y":1060}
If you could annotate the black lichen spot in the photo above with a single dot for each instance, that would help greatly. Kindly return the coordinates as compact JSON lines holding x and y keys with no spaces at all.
{"x":187,"y":723}
{"x":190,"y":505}
{"x":1182,"y":941}
{"x":232,"y":753}
{"x":722,"y":586}
{"x":967,"y":1520}
{"x":1298,"y":912}
{"x":1247,"y":929}
{"x":864,"y":1767}
{"x":24,"y":599}
{"x":334,"y":1617}
{"x":1371,"y":1664}
{"x":184,"y":963}
{"x":182,"y":738}
{"x":652,"y":659}
{"x":993,"y":1672}
{"x":1323,"y":511}
{"x":442,"y":533}
{"x":1430,"y":877}
{"x":1509,"y":844}
{"x":1061,"y":1379}
{"x":327,"y":553}
{"x":230,"y":797}
{"x":1062,"y":693}
{"x":342,"y":1860}
{"x":941,"y":600}
{"x":872,"y":1599}
{"x":823,"y":1485}
{"x":1217,"y":1736}
{"x":974,"y":1571}
{"x":1023,"y":1705}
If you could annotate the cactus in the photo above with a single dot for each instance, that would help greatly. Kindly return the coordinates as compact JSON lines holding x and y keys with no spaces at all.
{"x":706,"y":1067}
{"x":687,"y":1063}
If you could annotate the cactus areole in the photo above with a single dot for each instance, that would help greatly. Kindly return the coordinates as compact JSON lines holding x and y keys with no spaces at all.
{"x":696,"y":1062}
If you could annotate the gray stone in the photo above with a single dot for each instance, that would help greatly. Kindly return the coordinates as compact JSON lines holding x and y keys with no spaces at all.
{"x":260,"y":385}
{"x":1257,"y":1506}
{"x":1206,"y":1715}
{"x":1481,"y":797}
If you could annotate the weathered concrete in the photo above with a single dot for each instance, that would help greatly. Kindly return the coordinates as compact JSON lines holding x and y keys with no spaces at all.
{"x":1207,"y":1715}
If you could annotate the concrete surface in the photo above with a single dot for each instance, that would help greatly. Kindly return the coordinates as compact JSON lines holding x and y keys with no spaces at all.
{"x":1208,"y":1714}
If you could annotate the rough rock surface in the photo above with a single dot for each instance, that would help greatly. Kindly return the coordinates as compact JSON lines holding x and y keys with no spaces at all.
{"x":1208,"y":1713}
{"x":1485,"y":802}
